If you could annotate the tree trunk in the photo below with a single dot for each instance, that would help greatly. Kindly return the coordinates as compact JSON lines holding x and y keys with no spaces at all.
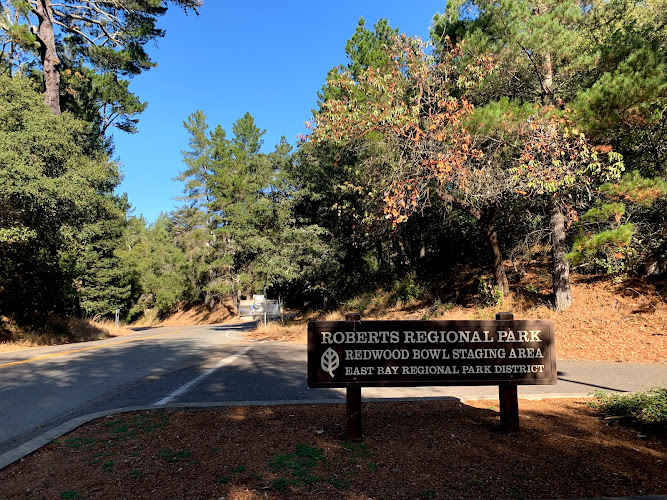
{"x":209,"y":301}
{"x":48,"y":55}
{"x":401,"y":260}
{"x":560,"y":267}
{"x":379,"y":251}
{"x":488,"y":222}
{"x":560,"y":271}
{"x":548,"y":81}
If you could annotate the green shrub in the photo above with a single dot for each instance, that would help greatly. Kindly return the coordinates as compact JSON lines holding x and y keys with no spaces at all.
{"x":299,"y":464}
{"x":489,"y":293}
{"x":643,"y":410}
{"x":280,"y":484}
{"x":406,"y":290}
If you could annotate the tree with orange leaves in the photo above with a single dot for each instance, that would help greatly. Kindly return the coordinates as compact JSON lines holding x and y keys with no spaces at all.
{"x":413,"y":111}
{"x":558,"y":161}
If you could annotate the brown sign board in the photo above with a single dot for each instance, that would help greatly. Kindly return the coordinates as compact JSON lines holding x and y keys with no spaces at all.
{"x":422,"y":353}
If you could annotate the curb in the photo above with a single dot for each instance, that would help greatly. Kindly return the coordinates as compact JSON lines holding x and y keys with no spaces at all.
{"x":648,"y":497}
{"x":35,"y":444}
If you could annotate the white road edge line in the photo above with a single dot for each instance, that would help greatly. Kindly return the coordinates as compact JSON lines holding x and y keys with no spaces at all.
{"x":228,"y":332}
{"x":184,"y":388}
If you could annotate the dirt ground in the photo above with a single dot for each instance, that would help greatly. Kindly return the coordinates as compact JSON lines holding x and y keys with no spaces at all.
{"x":426,"y":449}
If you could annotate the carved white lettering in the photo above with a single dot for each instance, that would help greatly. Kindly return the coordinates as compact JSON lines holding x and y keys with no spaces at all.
{"x":519,"y":369}
{"x":476,"y":369}
{"x":430,"y":370}
{"x":359,"y":370}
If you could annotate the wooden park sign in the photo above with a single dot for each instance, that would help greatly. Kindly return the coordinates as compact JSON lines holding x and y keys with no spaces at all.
{"x":505,"y":352}
{"x":416,"y":353}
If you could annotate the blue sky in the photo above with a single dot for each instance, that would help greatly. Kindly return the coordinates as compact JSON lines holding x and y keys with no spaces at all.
{"x":267,"y":58}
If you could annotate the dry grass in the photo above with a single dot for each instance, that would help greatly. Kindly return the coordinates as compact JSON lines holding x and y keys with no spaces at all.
{"x":56,"y":330}
{"x":607,"y":322}
{"x":293,"y":330}
{"x":183,"y":315}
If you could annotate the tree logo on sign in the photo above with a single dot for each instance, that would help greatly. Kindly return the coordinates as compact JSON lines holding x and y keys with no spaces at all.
{"x":330,"y":361}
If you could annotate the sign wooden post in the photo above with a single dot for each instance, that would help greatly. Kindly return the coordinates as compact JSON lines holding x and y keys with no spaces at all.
{"x":354,"y":428}
{"x":504,"y":352}
{"x":507,"y":395}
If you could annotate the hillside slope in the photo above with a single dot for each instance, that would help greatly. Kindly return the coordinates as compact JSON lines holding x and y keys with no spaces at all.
{"x":624,"y":322}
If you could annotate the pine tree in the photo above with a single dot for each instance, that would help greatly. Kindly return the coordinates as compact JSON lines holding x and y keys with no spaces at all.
{"x":109,"y":36}
{"x":610,"y":234}
{"x":238,"y":233}
{"x":156,"y":264}
{"x":198,"y":160}
{"x":543,"y":56}
{"x":102,"y":283}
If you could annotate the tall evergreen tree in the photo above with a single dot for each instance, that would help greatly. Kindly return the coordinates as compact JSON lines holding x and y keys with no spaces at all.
{"x":543,"y":56}
{"x":208,"y":256}
{"x":241,"y":173}
{"x":103,"y":285}
{"x":54,"y":191}
{"x":158,"y":266}
{"x":198,"y":159}
{"x":243,"y":199}
{"x":109,"y":36}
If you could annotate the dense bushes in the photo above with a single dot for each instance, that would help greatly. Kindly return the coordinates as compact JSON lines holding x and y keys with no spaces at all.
{"x":646,"y":411}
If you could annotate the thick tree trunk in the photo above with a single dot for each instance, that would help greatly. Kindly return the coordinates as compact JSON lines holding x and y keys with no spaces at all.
{"x":209,"y":301}
{"x":560,"y":267}
{"x":383,"y":265}
{"x":400,"y":258}
{"x":488,"y":222}
{"x":48,"y":55}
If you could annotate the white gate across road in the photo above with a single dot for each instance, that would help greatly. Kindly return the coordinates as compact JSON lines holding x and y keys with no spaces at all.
{"x":259,"y":309}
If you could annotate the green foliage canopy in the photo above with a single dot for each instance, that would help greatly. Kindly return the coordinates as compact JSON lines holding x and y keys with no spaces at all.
{"x":52,"y":190}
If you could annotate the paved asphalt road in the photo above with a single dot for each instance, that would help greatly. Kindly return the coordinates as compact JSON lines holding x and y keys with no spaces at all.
{"x":43,"y":388}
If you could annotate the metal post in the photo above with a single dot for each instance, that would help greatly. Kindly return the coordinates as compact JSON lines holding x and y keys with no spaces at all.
{"x":117,"y":319}
{"x":507,"y":395}
{"x":354,"y":429}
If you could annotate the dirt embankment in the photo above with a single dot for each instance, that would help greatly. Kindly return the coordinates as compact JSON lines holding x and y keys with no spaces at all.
{"x":624,"y":322}
{"x":608,"y":321}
